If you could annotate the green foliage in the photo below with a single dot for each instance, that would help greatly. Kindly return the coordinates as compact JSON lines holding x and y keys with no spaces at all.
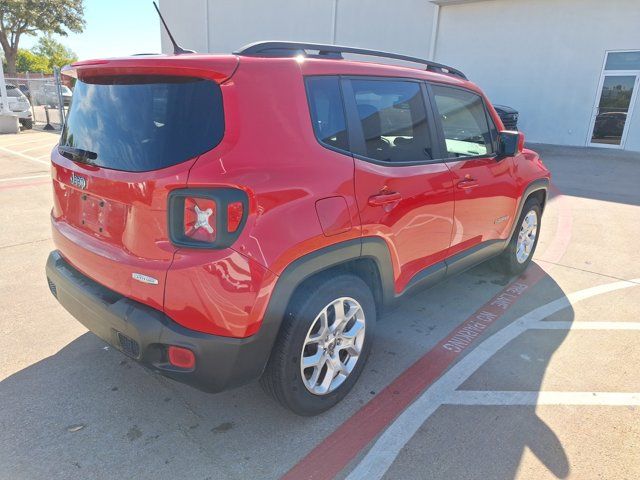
{"x":27,"y":61}
{"x":46,"y":16}
{"x":54,"y":52}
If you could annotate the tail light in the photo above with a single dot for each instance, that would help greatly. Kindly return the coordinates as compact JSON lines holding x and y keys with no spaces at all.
{"x":207,"y":218}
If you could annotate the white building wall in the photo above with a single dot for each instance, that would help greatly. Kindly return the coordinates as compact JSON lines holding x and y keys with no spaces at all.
{"x":219,"y":26}
{"x":542,"y":57}
{"x":401,"y":26}
{"x":188,"y":22}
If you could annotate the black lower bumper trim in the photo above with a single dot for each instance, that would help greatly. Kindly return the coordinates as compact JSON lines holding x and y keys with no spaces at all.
{"x":144,"y":333}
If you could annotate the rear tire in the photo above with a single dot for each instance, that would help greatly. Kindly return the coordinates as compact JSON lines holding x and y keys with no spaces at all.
{"x":27,"y":123}
{"x":519,"y":252}
{"x":333,"y":351}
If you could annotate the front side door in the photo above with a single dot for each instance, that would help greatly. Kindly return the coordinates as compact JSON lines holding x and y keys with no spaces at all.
{"x":403,"y":191}
{"x":484,"y":186}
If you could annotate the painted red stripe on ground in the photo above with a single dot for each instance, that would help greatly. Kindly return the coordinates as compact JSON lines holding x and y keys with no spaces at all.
{"x":345,"y":443}
{"x":22,"y":185}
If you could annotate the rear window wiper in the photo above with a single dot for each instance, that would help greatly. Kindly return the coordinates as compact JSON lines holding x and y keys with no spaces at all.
{"x":78,"y":154}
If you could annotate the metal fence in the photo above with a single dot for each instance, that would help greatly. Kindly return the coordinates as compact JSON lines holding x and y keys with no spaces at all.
{"x":49,"y":99}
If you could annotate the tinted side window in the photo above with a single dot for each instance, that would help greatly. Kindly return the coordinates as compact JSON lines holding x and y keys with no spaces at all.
{"x":327,"y":111}
{"x":464,"y":122}
{"x":394,"y":120}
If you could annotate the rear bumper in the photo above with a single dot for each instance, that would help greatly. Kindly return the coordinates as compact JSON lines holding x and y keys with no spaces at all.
{"x":144,"y":333}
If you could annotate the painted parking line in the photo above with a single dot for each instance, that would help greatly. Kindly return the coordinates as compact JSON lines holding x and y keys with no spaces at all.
{"x":24,"y":185}
{"x":509,"y":398}
{"x":387,"y":447}
{"x":28,"y":142}
{"x":29,"y":177}
{"x":348,"y":440}
{"x":26,"y":157}
{"x":553,"y":325}
{"x":39,"y":147}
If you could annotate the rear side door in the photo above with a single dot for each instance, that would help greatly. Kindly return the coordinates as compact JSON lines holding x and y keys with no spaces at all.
{"x":404,"y":190}
{"x":484,"y":185}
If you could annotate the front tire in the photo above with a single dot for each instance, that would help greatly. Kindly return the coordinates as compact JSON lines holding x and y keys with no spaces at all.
{"x":323,"y":345}
{"x":519,"y":252}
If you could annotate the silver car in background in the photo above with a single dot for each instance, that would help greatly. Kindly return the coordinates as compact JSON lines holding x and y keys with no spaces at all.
{"x":20,"y":105}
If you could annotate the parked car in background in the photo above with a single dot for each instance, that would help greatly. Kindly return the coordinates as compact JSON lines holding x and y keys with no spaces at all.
{"x":48,"y":95}
{"x":251,"y":215}
{"x":25,"y":89}
{"x":508,"y":115}
{"x":19,"y":104}
{"x":609,"y":124}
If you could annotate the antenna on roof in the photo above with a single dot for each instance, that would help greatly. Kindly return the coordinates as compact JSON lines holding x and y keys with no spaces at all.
{"x":177,"y":49}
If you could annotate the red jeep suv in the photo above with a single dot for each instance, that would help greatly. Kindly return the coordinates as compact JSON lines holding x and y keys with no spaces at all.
{"x":224,"y":218}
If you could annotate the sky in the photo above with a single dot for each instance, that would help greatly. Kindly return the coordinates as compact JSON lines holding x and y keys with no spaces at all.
{"x":114,"y":28}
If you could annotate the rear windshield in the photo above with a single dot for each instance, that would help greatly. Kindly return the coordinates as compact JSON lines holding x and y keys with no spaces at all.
{"x":138,"y":123}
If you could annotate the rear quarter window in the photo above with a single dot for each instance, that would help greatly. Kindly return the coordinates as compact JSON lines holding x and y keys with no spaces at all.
{"x":141,"y":123}
{"x":327,"y":111}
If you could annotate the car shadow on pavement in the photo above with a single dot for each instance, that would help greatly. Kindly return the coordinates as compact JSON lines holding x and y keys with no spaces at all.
{"x":89,"y":410}
{"x":496,"y":441}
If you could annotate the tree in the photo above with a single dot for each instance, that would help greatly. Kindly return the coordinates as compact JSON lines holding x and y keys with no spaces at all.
{"x":55,"y":53}
{"x":29,"y":17}
{"x":27,"y":61}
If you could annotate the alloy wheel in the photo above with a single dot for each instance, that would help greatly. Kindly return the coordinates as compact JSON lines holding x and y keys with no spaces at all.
{"x":527,"y":236}
{"x":332,"y":346}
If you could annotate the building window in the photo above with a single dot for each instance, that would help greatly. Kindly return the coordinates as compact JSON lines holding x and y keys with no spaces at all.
{"x":623,"y":61}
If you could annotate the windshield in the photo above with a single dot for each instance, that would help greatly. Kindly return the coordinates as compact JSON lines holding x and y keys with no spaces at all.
{"x":140,"y":123}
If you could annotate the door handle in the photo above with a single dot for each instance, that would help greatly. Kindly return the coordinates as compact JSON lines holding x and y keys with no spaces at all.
{"x":387,"y":200}
{"x":467,"y":183}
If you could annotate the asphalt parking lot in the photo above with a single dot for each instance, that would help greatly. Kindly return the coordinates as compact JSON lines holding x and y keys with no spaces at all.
{"x":479,"y":377}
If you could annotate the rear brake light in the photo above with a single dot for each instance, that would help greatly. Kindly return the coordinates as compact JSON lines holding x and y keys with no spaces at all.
{"x":235,"y":211}
{"x":207,"y":218}
{"x":181,"y":357}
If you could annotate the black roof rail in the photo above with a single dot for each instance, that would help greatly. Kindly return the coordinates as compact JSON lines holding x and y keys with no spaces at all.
{"x":288,"y":49}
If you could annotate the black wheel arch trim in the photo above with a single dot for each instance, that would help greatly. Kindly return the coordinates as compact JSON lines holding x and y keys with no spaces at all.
{"x":535,"y":186}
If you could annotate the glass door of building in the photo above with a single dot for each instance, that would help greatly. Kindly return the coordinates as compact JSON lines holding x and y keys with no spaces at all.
{"x":616,"y":98}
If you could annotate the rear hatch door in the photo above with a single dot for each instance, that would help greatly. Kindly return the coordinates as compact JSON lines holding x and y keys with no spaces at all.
{"x":134,"y":129}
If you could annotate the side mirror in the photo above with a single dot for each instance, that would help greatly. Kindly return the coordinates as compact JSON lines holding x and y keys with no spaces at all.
{"x":510,"y":143}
